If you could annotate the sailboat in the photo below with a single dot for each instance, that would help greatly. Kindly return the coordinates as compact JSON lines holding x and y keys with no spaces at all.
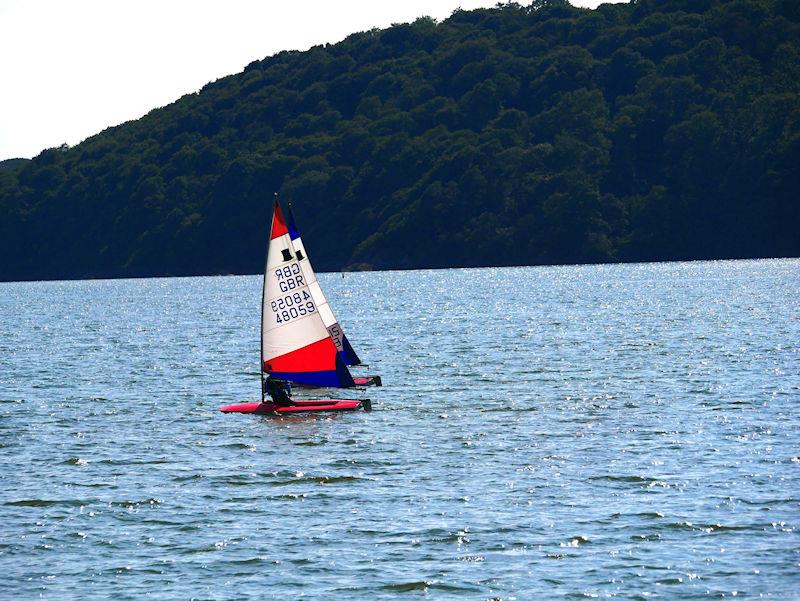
{"x":296,"y":344}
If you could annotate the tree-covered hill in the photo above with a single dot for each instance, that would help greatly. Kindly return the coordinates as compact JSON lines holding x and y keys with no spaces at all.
{"x":515,"y":135}
{"x":8,"y":164}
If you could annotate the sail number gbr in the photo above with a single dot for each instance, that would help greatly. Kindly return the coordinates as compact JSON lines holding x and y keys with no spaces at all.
{"x":292,"y":306}
{"x":289,"y":277}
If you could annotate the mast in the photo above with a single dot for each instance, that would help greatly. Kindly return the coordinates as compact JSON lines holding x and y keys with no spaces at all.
{"x":263,"y":296}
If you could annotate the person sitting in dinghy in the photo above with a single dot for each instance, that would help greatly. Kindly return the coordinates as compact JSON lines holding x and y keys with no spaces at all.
{"x":280,"y":391}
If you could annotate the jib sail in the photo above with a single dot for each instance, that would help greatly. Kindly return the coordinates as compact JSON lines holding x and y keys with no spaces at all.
{"x":329,"y":319}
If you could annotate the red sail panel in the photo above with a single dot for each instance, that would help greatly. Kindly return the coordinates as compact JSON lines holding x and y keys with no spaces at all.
{"x":278,"y":223}
{"x":318,"y":356}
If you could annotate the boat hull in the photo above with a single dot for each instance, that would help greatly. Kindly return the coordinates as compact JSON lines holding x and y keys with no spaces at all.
{"x":358,"y":380}
{"x":300,"y":406}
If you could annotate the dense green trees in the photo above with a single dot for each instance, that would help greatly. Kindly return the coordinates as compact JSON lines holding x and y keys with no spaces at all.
{"x":660,"y":129}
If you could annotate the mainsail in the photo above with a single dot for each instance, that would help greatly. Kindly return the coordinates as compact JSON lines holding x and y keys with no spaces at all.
{"x":329,"y":319}
{"x":295,"y":342}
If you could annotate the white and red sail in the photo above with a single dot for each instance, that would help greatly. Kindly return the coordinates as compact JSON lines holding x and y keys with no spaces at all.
{"x":296,"y":344}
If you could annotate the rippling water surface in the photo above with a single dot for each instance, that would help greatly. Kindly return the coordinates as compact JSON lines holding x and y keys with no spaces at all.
{"x":626,"y":430}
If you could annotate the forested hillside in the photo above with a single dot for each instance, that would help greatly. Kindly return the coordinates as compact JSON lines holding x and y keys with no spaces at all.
{"x":516,"y":135}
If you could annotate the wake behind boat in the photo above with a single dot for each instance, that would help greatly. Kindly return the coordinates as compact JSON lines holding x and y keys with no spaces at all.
{"x":297,"y":331}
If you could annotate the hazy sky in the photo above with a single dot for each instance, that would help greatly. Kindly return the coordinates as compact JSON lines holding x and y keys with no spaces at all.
{"x":71,"y":68}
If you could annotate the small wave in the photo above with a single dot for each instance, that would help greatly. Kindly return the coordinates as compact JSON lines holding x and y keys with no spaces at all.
{"x":167,"y":523}
{"x":709,"y":528}
{"x":679,"y":526}
{"x":45,"y":502}
{"x":576,"y":542}
{"x":78,"y":484}
{"x":653,"y":515}
{"x":188,"y":478}
{"x":459,"y":536}
{"x":157,"y":461}
{"x":509,"y":409}
{"x":668,"y":581}
{"x":646,"y":537}
{"x":252,"y":561}
{"x":331,"y":479}
{"x":118,"y":570}
{"x":156,"y":571}
{"x":243,"y":480}
{"x":407,"y":587}
{"x":631,"y":479}
{"x":316,"y":480}
{"x":238,"y":445}
{"x":472,"y":558}
{"x":76,"y":461}
{"x":290,"y":497}
{"x":151,"y":502}
{"x":769,"y":502}
{"x":725,"y":528}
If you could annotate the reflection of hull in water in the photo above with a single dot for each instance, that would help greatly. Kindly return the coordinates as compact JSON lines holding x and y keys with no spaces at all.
{"x":300,"y":406}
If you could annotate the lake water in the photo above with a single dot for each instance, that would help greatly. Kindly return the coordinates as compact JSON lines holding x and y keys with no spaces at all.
{"x":627,"y":430}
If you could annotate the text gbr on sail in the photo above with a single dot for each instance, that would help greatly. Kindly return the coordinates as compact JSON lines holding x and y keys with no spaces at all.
{"x":289,"y":277}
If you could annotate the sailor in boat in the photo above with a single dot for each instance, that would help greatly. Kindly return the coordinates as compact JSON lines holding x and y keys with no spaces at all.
{"x":280,"y":391}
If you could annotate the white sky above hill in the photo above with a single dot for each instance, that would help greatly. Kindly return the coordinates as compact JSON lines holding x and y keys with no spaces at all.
{"x":71,"y":68}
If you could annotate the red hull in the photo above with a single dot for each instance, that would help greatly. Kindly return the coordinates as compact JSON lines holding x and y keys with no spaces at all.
{"x":299,"y":406}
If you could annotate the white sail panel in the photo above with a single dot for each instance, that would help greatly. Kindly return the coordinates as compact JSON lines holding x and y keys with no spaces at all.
{"x":290,"y":317}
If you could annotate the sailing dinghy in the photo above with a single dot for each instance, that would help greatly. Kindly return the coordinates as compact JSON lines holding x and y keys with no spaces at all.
{"x":295,"y":342}
{"x":326,"y":312}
